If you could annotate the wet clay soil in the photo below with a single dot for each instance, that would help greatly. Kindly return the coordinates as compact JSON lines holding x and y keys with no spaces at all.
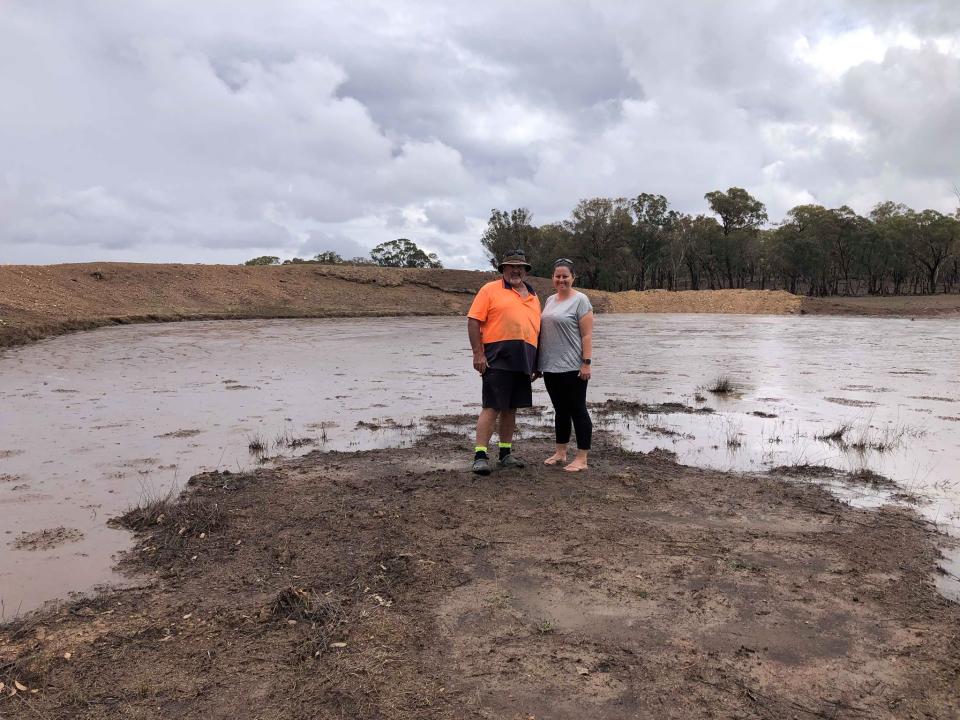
{"x":393,"y":584}
{"x":47,"y":539}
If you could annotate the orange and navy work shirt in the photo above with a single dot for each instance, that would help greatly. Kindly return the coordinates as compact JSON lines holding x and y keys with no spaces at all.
{"x":509,"y":326}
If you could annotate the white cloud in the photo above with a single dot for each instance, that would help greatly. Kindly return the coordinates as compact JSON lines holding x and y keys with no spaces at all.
{"x":835,"y":54}
{"x":219,"y":130}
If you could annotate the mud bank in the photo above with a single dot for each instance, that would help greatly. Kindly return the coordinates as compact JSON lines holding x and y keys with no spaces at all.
{"x":896,"y":306}
{"x":393,"y":584}
{"x":38,"y":301}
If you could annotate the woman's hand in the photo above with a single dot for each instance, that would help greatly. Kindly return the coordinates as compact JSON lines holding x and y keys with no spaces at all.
{"x":586,"y":337}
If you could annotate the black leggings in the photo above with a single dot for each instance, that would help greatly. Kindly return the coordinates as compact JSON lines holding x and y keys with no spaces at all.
{"x":568,"y":393}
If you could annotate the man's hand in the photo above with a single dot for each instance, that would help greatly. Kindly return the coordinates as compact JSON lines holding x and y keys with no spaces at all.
{"x":480,"y":362}
{"x":476,"y":344}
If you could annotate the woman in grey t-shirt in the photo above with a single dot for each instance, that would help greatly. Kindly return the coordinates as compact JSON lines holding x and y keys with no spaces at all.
{"x":565,"y":353}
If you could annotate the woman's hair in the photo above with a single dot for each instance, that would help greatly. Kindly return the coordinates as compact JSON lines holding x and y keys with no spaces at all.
{"x":563,"y":262}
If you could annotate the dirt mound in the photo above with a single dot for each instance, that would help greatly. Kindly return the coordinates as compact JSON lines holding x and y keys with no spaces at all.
{"x":385,"y":584}
{"x":739,"y":302}
{"x":38,"y":301}
{"x":891,"y":306}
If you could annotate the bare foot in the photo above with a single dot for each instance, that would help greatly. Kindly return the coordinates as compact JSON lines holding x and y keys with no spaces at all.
{"x":555,"y":459}
{"x":576,"y":466}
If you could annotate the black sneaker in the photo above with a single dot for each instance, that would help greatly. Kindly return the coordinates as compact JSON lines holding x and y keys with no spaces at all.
{"x":481,"y":466}
{"x":512,"y":461}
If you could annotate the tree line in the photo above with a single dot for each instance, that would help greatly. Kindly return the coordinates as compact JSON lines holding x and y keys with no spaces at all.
{"x":641,"y":243}
{"x":393,"y":253}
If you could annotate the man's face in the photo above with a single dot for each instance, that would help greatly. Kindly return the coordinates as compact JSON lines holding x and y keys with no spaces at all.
{"x":514,"y":275}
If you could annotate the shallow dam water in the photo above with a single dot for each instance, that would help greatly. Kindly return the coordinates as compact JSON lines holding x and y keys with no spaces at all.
{"x":95,"y":422}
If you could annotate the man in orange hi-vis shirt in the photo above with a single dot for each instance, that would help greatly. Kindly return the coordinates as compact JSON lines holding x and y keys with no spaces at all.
{"x":503,"y":324}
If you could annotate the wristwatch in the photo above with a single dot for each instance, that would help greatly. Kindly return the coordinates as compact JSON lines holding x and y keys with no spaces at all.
{"x":586,"y":361}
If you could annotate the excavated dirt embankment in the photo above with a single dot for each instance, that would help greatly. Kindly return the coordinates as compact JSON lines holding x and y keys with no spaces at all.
{"x":39,"y":301}
{"x":738,"y":302}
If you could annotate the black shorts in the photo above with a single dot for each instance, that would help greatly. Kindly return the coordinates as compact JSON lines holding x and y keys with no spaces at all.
{"x":506,"y":389}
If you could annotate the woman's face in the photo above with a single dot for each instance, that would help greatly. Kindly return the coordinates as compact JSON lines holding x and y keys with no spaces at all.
{"x":562,"y":278}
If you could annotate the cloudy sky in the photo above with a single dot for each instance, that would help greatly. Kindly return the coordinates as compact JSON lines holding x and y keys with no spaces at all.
{"x":218,"y":130}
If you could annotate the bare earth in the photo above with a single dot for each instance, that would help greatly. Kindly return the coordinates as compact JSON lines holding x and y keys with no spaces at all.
{"x":740,"y":302}
{"x":38,"y":301}
{"x":393,"y":584}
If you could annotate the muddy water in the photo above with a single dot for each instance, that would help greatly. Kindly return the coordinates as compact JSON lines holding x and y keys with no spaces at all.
{"x":94,"y":422}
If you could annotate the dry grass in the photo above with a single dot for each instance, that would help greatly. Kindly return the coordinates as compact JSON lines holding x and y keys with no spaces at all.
{"x":287,"y":440}
{"x":868,"y":477}
{"x":722,"y":385}
{"x":837,"y":434}
{"x":885,"y":439}
{"x":170,"y":523}
{"x":804,"y":470}
{"x":325,"y":616}
{"x":257,"y":444}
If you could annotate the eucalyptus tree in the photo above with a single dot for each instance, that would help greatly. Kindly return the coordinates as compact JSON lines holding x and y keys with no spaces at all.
{"x":601,"y":228}
{"x":932,"y":242}
{"x":799,"y":254}
{"x":328,"y":257}
{"x":692,"y":242}
{"x":507,"y":231}
{"x":850,"y":231}
{"x":653,"y":223}
{"x":891,"y":227}
{"x":741,"y":216}
{"x":264,"y":260}
{"x":550,"y":242}
{"x":403,"y":253}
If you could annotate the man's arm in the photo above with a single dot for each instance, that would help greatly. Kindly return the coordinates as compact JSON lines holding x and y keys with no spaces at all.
{"x":476,"y":344}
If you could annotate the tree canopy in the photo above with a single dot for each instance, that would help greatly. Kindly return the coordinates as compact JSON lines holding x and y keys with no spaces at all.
{"x":403,"y":253}
{"x":508,"y":231}
{"x":641,"y":243}
{"x":395,"y":253}
{"x":264,"y":260}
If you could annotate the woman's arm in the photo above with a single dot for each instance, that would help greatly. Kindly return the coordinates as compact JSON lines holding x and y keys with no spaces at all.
{"x":586,"y":337}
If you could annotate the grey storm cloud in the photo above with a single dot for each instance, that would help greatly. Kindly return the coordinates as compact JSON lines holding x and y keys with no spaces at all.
{"x":217,"y":131}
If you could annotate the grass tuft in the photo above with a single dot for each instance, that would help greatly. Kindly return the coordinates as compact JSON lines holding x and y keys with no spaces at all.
{"x":170,"y":523}
{"x":545,"y":627}
{"x":291,"y":442}
{"x":256,"y":444}
{"x":837,"y":434}
{"x":722,"y":385}
{"x":296,"y":606}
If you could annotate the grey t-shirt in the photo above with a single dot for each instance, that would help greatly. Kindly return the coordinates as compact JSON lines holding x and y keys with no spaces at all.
{"x":560,"y":346}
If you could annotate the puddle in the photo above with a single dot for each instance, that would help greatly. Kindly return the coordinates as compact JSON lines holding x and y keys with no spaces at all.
{"x":948,"y":577}
{"x":150,"y":405}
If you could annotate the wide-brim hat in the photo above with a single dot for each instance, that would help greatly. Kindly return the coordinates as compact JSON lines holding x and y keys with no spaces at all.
{"x":516,"y":257}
